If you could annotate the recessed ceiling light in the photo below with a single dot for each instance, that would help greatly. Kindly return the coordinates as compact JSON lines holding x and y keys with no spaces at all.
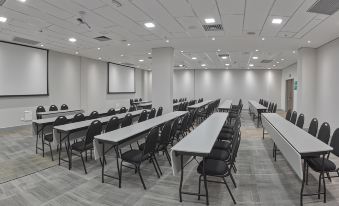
{"x":180,"y":65}
{"x":263,"y":38}
{"x":203,"y":65}
{"x":209,"y":20}
{"x":99,"y":48}
{"x":218,"y":50}
{"x":309,"y":41}
{"x":194,"y":58}
{"x":41,"y":45}
{"x":257,"y":50}
{"x":282,"y":59}
{"x":254,"y":57}
{"x":224,"y":57}
{"x":251,"y":65}
{"x":293,"y":52}
{"x":99,"y":58}
{"x":149,"y":24}
{"x":121,"y":55}
{"x":167,"y":41}
{"x":277,"y":21}
{"x":181,"y":51}
{"x":141,"y":60}
{"x":128,"y":44}
{"x":274,"y":65}
{"x":3,"y":19}
{"x":149,"y":53}
{"x":76,"y":52}
{"x":213,"y":38}
{"x":278,"y":62}
{"x":227,"y":64}
{"x":23,"y":1}
{"x":72,"y":39}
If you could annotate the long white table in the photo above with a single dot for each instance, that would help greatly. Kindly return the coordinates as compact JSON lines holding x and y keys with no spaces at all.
{"x":125,"y":136}
{"x":294,"y":143}
{"x":50,"y":114}
{"x":199,"y":105}
{"x":256,"y":109}
{"x":145,"y":105}
{"x":78,"y":129}
{"x":225,"y":106}
{"x":197,"y":143}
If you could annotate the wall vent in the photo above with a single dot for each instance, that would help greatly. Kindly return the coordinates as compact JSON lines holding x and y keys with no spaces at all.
{"x":25,"y":41}
{"x":266,"y":61}
{"x":327,"y":7}
{"x":102,"y":38}
{"x":213,"y":27}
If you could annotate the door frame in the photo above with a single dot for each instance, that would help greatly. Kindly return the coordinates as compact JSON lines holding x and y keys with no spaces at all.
{"x":287,"y":93}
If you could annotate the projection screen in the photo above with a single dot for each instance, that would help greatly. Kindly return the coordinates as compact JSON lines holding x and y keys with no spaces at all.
{"x":120,"y":79}
{"x":23,"y":70}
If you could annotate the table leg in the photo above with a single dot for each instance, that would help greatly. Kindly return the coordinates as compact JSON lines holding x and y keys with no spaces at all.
{"x":37,"y":139}
{"x":68,"y":148}
{"x":263,"y":132}
{"x":103,"y":163}
{"x":205,"y":181}
{"x":303,"y":184}
{"x":60,"y":146}
{"x":181,"y":177}
{"x":259,"y":116}
{"x":118,"y":167}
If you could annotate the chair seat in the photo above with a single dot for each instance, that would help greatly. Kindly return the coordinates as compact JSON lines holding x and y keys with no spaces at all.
{"x":316,"y":164}
{"x":222,"y":145}
{"x":133,"y":156}
{"x":212,"y":167}
{"x":49,"y":137}
{"x":79,"y":146}
{"x":225,"y":136}
{"x":218,"y":154}
{"x":227,"y":130}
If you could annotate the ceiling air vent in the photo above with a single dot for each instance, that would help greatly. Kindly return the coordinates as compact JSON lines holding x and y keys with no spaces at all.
{"x":266,"y":61}
{"x":213,"y":27}
{"x":223,"y":55}
{"x":250,"y":33}
{"x":102,"y":38}
{"x":328,"y":7}
{"x":25,"y":41}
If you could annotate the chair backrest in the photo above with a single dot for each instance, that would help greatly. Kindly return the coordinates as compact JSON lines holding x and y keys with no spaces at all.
{"x":294,"y":117}
{"x":300,"y":122}
{"x":288,"y":115}
{"x":151,"y":141}
{"x":140,"y":99}
{"x":93,"y":115}
{"x":53,"y":108}
{"x":127,"y":120}
{"x":275,"y":108}
{"x":112,"y":124}
{"x":165,"y":134}
{"x":152,"y":113}
{"x":269,"y":107}
{"x":111,"y":112}
{"x":39,"y":109}
{"x":324,"y":133}
{"x":136,"y":100}
{"x":159,"y":112}
{"x":78,"y":117}
{"x":123,"y":110}
{"x":64,"y":107}
{"x":131,"y":102}
{"x":94,"y":129}
{"x":132,"y":108}
{"x":143,"y":116}
{"x":61,"y":120}
{"x":235,"y":146}
{"x":174,"y":128}
{"x":313,"y":128}
{"x":184,"y":122}
{"x":335,"y":142}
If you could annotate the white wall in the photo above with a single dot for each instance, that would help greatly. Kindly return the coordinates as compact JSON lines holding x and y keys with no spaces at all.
{"x":288,"y":73}
{"x":183,"y":84}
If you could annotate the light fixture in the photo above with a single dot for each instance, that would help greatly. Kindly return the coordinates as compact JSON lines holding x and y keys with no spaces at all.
{"x":23,"y":1}
{"x":263,"y":38}
{"x":99,"y":58}
{"x":180,"y":65}
{"x":278,"y":62}
{"x":3,"y":19}
{"x":203,"y":65}
{"x":224,"y":57}
{"x":128,"y":44}
{"x":218,"y":50}
{"x":141,"y":60}
{"x":149,"y":53}
{"x":41,"y":45}
{"x":99,"y":48}
{"x":277,"y":21}
{"x":227,"y":64}
{"x":254,"y":57}
{"x":181,"y":51}
{"x":194,"y":58}
{"x":167,"y":41}
{"x":213,"y":38}
{"x":72,"y":39}
{"x":76,"y":52}
{"x":257,"y":50}
{"x":274,"y":65}
{"x":309,"y":41}
{"x":149,"y":24}
{"x":293,"y":52}
{"x":209,"y":20}
{"x":251,"y":65}
{"x":282,"y":59}
{"x":121,"y":55}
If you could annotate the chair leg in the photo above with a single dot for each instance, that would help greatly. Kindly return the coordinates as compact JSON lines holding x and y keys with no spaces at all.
{"x":306,"y":174}
{"x":324,"y":188}
{"x":36,"y":144}
{"x":319,"y":185}
{"x":199,"y":187}
{"x":328,"y":176}
{"x":43,"y":145}
{"x":156,"y":162}
{"x":50,"y":148}
{"x":155,"y":167}
{"x":232,"y":178}
{"x":206,"y":190}
{"x":86,"y":155}
{"x":168,"y":157}
{"x":83,"y":162}
{"x":142,"y":180}
{"x":229,"y":191}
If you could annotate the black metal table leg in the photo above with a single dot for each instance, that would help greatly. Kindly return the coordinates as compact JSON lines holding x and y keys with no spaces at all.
{"x":303,"y":184}
{"x":205,"y":181}
{"x":181,"y":177}
{"x":60,"y":146}
{"x":263,"y":132}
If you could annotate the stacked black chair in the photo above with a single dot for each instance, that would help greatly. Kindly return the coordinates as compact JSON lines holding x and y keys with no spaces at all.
{"x":111,"y":112}
{"x":93,"y":115}
{"x":131,"y":103}
{"x":53,"y":108}
{"x":122,"y":110}
{"x":152,"y":113}
{"x":159,"y":112}
{"x":87,"y":143}
{"x":313,"y":128}
{"x":300,"y":121}
{"x":112,"y":124}
{"x":275,"y":108}
{"x":294,"y":117}
{"x":132,"y":109}
{"x":140,"y":99}
{"x":64,"y":107}
{"x":182,"y":127}
{"x":39,"y":109}
{"x":137,"y":157}
{"x":78,"y":118}
{"x":288,"y":115}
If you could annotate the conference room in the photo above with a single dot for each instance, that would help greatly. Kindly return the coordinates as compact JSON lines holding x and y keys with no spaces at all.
{"x":169,"y":102}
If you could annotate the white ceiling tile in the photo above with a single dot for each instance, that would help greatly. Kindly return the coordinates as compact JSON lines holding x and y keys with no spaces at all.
{"x":206,"y":9}
{"x":178,"y":8}
{"x":271,"y":30}
{"x":286,"y":34}
{"x":231,"y":6}
{"x":312,"y":24}
{"x":232,"y":24}
{"x":192,"y":25}
{"x":69,"y":6}
{"x":90,"y":4}
{"x":256,"y":13}
{"x":285,"y":7}
{"x":50,"y":9}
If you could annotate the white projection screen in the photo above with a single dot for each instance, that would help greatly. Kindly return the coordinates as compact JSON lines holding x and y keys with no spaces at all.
{"x":23,"y":70}
{"x":120,"y":79}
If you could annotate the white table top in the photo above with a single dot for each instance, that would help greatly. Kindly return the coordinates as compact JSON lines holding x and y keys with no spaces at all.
{"x":145,"y":104}
{"x":121,"y":134}
{"x":178,"y":103}
{"x":225,"y":105}
{"x":60,"y":111}
{"x":201,"y":104}
{"x":298,"y":138}
{"x":201,"y":139}
{"x":86,"y":123}
{"x":256,"y":105}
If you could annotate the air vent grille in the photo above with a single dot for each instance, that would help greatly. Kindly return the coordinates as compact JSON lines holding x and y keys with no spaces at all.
{"x":266,"y":61}
{"x":223,"y":55}
{"x":25,"y":41}
{"x":102,"y":38}
{"x":213,"y":27}
{"x":328,"y":7}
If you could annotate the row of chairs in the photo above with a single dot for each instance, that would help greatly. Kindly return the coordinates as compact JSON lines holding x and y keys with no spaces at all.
{"x":180,"y":100}
{"x":271,"y":106}
{"x":134,"y":101}
{"x":203,"y":113}
{"x":51,"y":108}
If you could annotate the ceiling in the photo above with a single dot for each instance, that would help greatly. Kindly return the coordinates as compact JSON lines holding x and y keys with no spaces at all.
{"x":53,"y":22}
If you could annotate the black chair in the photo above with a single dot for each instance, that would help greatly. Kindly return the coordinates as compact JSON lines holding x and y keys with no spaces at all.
{"x":300,"y":121}
{"x":136,"y":100}
{"x":313,"y":128}
{"x":61,"y":120}
{"x":87,"y":143}
{"x":78,"y":117}
{"x":324,"y":133}
{"x":136,"y":157}
{"x":159,"y":112}
{"x":131,"y":103}
{"x":127,"y":120}
{"x":132,"y":109}
{"x":53,"y":108}
{"x":174,"y":131}
{"x":64,"y":107}
{"x":112,"y":124}
{"x":275,"y":108}
{"x":122,"y":110}
{"x":143,"y":116}
{"x":182,"y":127}
{"x":111,"y":112}
{"x":288,"y":115}
{"x":140,"y":99}
{"x":152,"y":113}
{"x":294,"y":117}
{"x":93,"y":115}
{"x":39,"y":109}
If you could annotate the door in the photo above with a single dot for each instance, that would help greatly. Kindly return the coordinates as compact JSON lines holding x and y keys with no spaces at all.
{"x":289,"y":94}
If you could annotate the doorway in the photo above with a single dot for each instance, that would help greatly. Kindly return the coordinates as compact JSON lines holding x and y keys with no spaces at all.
{"x":289,"y":97}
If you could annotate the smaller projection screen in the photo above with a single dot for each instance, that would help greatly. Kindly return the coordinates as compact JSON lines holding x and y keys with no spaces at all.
{"x":23,"y":70}
{"x":120,"y":79}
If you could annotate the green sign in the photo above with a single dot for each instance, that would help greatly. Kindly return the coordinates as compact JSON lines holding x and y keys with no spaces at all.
{"x":295,"y":85}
